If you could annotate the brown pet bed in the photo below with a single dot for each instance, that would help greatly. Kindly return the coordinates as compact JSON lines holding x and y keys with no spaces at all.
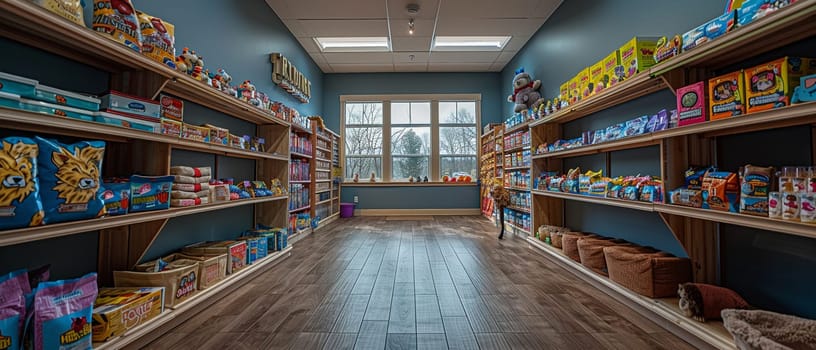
{"x":569,"y":244}
{"x":646,"y":271}
{"x":590,"y":250}
{"x":765,"y":330}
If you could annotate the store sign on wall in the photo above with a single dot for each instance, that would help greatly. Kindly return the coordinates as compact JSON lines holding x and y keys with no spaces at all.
{"x":290,"y":79}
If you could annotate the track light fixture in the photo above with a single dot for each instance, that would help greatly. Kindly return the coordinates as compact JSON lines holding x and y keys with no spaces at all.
{"x":411,"y":26}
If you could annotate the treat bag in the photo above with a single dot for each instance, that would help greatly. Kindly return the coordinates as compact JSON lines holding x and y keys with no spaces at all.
{"x":775,"y":205}
{"x":790,"y":205}
{"x":62,"y":313}
{"x":807,"y":208}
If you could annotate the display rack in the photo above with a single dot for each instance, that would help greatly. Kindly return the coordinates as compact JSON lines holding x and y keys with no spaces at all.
{"x":124,"y":240}
{"x":302,"y":174}
{"x":695,"y":229}
{"x":516,"y":177}
{"x":326,"y":191}
{"x":490,"y":165}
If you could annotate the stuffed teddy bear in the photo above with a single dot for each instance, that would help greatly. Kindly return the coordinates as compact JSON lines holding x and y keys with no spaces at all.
{"x":525,"y":92}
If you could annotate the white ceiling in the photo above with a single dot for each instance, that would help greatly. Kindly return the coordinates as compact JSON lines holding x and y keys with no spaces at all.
{"x":307,"y":19}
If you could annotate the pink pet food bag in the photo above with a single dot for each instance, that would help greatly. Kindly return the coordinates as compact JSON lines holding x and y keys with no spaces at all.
{"x":62,"y":313}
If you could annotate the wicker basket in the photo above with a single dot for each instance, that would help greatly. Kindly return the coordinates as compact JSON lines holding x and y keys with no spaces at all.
{"x":591,"y":252}
{"x":569,"y":244}
{"x":211,"y":269}
{"x":179,"y":283}
{"x":236,"y":250}
{"x":646,"y":271}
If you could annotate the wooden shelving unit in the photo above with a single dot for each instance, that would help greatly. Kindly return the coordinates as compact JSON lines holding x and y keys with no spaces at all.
{"x":327,"y":144}
{"x":695,"y":229}
{"x":490,"y":159}
{"x":124,"y":240}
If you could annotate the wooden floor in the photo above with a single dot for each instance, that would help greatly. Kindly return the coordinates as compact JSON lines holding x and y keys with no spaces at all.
{"x":372,"y":283}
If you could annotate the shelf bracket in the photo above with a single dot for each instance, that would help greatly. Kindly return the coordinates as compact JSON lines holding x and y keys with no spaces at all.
{"x":121,"y":248}
{"x":139,"y":83}
{"x":674,"y":79}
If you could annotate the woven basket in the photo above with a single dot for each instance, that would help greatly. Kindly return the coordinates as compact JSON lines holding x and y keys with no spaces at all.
{"x":569,"y":244}
{"x":179,"y":284}
{"x":591,"y":252}
{"x":211,"y":269}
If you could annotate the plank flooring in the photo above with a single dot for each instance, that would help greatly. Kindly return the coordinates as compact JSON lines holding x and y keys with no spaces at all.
{"x":425,"y":283}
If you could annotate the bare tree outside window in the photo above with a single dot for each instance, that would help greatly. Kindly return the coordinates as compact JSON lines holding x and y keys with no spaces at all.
{"x":363,"y":137}
{"x":457,"y":138}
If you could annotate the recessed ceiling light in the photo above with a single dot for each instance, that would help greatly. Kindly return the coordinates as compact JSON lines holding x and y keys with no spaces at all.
{"x":353,"y":44}
{"x":470,"y":43}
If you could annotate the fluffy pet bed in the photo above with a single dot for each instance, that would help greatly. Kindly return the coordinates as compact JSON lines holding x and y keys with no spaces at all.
{"x":765,"y":330}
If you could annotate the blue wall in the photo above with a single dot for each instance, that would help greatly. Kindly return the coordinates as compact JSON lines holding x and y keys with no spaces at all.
{"x":412,"y":197}
{"x":486,"y":84}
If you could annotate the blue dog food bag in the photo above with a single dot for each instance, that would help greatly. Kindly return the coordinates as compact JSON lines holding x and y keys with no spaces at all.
{"x":62,"y":313}
{"x":150,"y":192}
{"x":117,"y":197}
{"x":20,"y":204}
{"x":70,"y":180}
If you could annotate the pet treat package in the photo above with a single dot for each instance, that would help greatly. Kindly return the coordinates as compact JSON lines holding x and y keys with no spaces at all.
{"x":686,"y":197}
{"x":117,"y":20}
{"x":158,"y":39}
{"x":118,"y":309}
{"x":637,"y":55}
{"x":756,"y":181}
{"x":790,"y":205}
{"x":63,"y":313}
{"x":190,"y":171}
{"x":70,"y":180}
{"x":721,"y":191}
{"x":150,"y":192}
{"x":775,"y":205}
{"x":191,"y":187}
{"x":171,"y":108}
{"x":13,"y":287}
{"x":20,"y":204}
{"x":771,"y":85}
{"x":691,"y":104}
{"x":807,"y":207}
{"x":726,"y":95}
{"x":171,"y":127}
{"x":116,"y":197}
{"x":710,"y":30}
{"x":69,"y":9}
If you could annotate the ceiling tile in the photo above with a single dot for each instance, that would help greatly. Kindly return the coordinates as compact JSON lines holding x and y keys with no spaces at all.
{"x":410,"y":43}
{"x":488,"y":9}
{"x":470,"y":26}
{"x":411,"y":67}
{"x":517,"y":42}
{"x":294,"y":27}
{"x":497,"y":66}
{"x":427,"y":9}
{"x":463,"y":57}
{"x":358,"y":57}
{"x":325,"y":67}
{"x":308,"y":44}
{"x":344,"y":27}
{"x":422,"y":27}
{"x":362,"y":68}
{"x":332,"y":9}
{"x":506,"y":56}
{"x":404,"y":57}
{"x":546,"y":8}
{"x":459,"y":67}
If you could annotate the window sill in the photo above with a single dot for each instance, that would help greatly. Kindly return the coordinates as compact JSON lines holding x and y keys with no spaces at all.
{"x":406,"y":184}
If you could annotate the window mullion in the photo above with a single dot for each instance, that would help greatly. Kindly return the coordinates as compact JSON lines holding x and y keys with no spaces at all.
{"x":386,"y":140}
{"x":434,"y":163}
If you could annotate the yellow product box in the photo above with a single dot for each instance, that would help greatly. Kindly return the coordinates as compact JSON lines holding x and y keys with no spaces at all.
{"x":117,"y":20}
{"x":770,"y":85}
{"x":118,"y":309}
{"x":158,"y":39}
{"x":638,"y":54}
{"x":564,"y":91}
{"x":596,"y":74}
{"x":726,"y":96}
{"x":195,"y":133}
{"x":582,"y":80}
{"x":218,"y":135}
{"x":613,"y":71}
{"x":574,"y":90}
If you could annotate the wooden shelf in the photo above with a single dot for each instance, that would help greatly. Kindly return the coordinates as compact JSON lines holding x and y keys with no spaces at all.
{"x":30,"y":234}
{"x":297,"y":128}
{"x":299,"y":155}
{"x":711,"y":332}
{"x":300,"y":181}
{"x":323,"y":180}
{"x":526,"y":167}
{"x":614,"y":202}
{"x":335,"y":198}
{"x":521,"y":189}
{"x":324,"y":138}
{"x":323,"y":170}
{"x":516,"y":228}
{"x":324,"y":202}
{"x":515,"y":128}
{"x":640,"y":85}
{"x":321,"y":191}
{"x":758,"y":222}
{"x":519,"y":209}
{"x":322,"y":159}
{"x":186,"y":308}
{"x":300,"y":209}
{"x":323,"y":149}
{"x":44,"y":123}
{"x":785,"y":26}
{"x":626,"y":143}
{"x":517,"y":148}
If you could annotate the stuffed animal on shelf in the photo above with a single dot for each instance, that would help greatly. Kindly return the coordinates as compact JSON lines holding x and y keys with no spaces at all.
{"x":525,"y":92}
{"x":425,"y":179}
{"x":356,"y":177}
{"x":373,"y":177}
{"x":705,"y":301}
{"x":410,"y":179}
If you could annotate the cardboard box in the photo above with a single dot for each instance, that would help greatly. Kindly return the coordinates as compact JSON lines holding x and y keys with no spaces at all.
{"x":218,"y":135}
{"x":179,"y":283}
{"x":691,"y":101}
{"x":171,"y":108}
{"x":195,"y":133}
{"x":236,"y":250}
{"x":596,"y":82}
{"x":667,"y":48}
{"x":604,"y":74}
{"x":637,"y":55}
{"x":726,"y":95}
{"x":120,"y":102}
{"x":582,"y":83}
{"x":771,"y":85}
{"x":211,"y":268}
{"x":564,"y":91}
{"x":710,"y":30}
{"x":117,"y":310}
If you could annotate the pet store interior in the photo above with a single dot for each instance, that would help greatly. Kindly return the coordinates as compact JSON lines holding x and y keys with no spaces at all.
{"x":407,"y":174}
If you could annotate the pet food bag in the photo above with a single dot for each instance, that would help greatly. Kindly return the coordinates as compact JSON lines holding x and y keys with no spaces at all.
{"x":150,"y":192}
{"x":116,"y":197}
{"x":13,"y":287}
{"x":117,"y":20}
{"x":70,"y":180}
{"x":69,"y":9}
{"x":20,"y":204}
{"x":158,"y":39}
{"x":721,"y":191}
{"x":63,"y":313}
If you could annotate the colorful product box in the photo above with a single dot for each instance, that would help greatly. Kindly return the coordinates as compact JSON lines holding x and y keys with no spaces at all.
{"x":66,"y":98}
{"x":637,"y":54}
{"x":709,"y":31}
{"x":125,"y":121}
{"x":116,"y":197}
{"x":236,"y":250}
{"x":252,"y":249}
{"x":754,"y":205}
{"x":219,"y":136}
{"x":564,"y":91}
{"x":582,"y":83}
{"x":195,"y":133}
{"x":13,"y":84}
{"x":171,"y":107}
{"x":726,"y":95}
{"x":211,"y":268}
{"x":117,"y":310}
{"x":9,"y":100}
{"x":613,"y":72}
{"x":150,"y":192}
{"x":120,"y":102}
{"x":691,"y":102}
{"x":171,"y":127}
{"x":667,"y":48}
{"x":574,"y":90}
{"x":596,"y":74}
{"x":179,"y":281}
{"x":57,"y":110}
{"x":771,"y":85}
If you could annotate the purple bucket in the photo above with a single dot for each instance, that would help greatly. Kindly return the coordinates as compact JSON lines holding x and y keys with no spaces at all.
{"x":346,"y":210}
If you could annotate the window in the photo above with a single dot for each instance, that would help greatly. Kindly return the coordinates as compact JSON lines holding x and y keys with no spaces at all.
{"x":364,"y":136}
{"x":398,"y":137}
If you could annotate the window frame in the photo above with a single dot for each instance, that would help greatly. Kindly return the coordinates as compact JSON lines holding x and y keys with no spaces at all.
{"x":434,"y":167}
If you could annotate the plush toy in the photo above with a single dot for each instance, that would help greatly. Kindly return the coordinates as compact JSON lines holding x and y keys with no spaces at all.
{"x":705,"y":301}
{"x":525,"y":92}
{"x":373,"y":177}
{"x":356,"y":177}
